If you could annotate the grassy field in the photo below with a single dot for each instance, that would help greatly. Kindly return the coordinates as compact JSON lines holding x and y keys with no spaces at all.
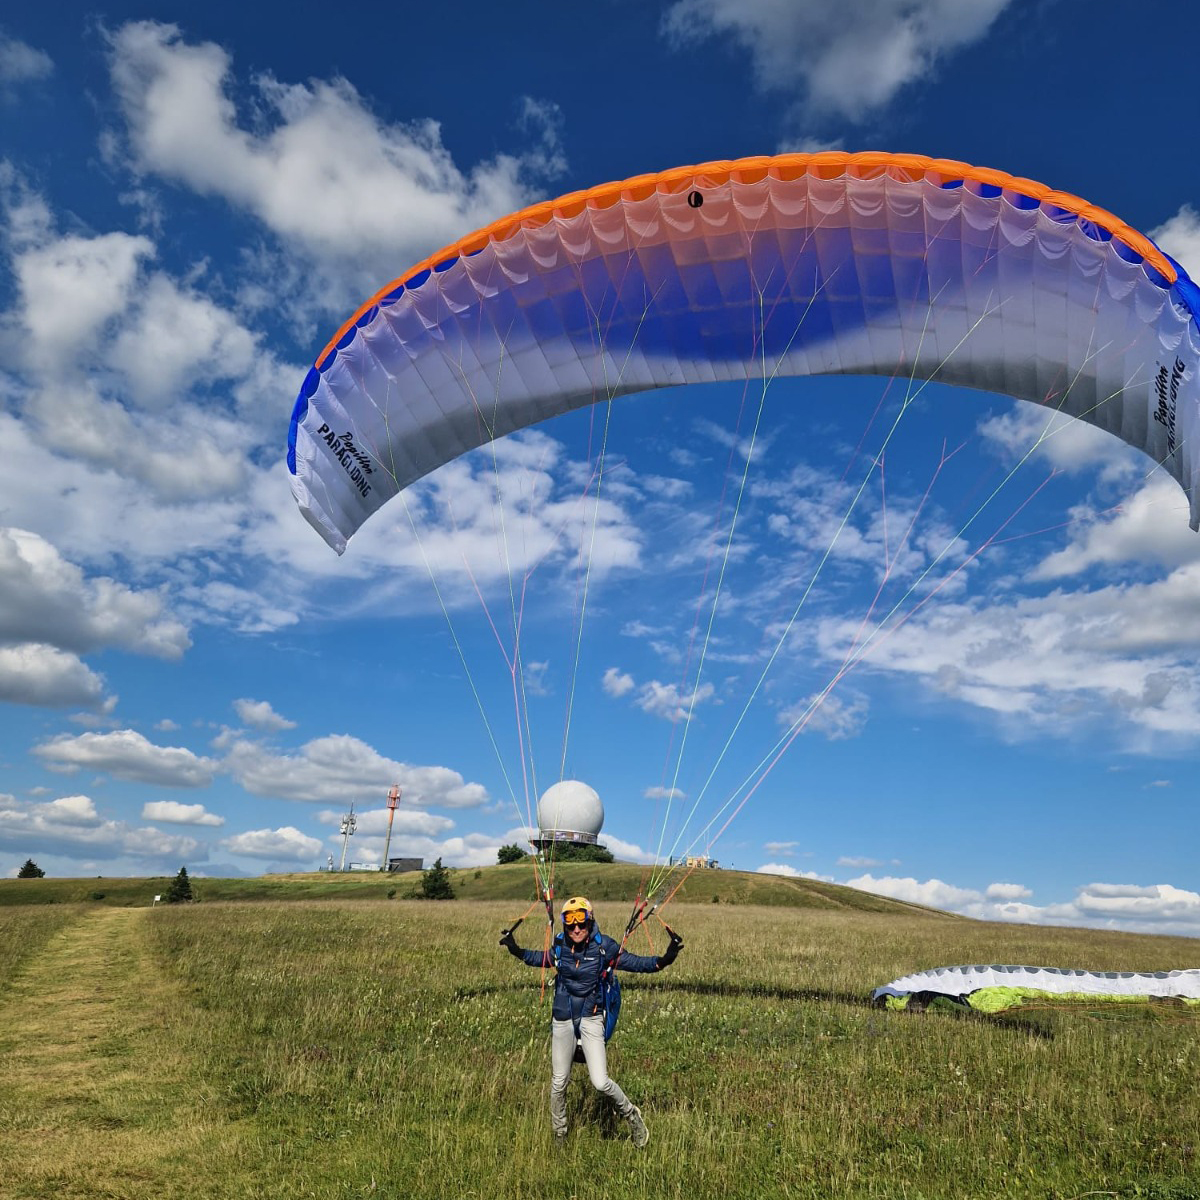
{"x":610,"y":881}
{"x":391,"y":1049}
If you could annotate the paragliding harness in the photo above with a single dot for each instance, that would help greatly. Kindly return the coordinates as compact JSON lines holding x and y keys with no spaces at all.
{"x":610,"y":996}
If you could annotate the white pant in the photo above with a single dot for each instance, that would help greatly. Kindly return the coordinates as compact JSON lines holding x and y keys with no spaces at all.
{"x":562,"y":1051}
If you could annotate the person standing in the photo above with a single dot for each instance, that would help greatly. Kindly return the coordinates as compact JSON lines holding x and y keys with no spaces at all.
{"x":584,"y":960}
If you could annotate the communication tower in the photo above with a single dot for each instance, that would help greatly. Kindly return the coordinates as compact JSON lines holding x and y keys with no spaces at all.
{"x":348,"y":826}
{"x":393,"y":803}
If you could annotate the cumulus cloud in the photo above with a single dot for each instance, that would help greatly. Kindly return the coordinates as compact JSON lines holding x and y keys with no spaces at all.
{"x":1003,"y":891}
{"x":385,"y":192}
{"x":21,"y":63}
{"x":1180,"y":237}
{"x":331,"y":768}
{"x":72,"y":288}
{"x":126,"y":754}
{"x":48,"y":677}
{"x":1062,"y":442}
{"x":46,"y":599}
{"x":836,"y":717}
{"x":286,"y":842}
{"x":791,"y":872}
{"x":1150,"y":527}
{"x":933,"y":893}
{"x":259,"y":714}
{"x":849,"y":58}
{"x":617,"y":683}
{"x":1156,"y":908}
{"x":373,"y":822}
{"x":71,"y":826}
{"x":667,"y":700}
{"x":784,"y":849}
{"x":664,"y":793}
{"x":628,"y":851}
{"x":173,"y":813}
{"x":1124,"y":655}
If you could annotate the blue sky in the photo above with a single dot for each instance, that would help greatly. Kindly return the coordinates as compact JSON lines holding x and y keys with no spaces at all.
{"x":189,"y":209}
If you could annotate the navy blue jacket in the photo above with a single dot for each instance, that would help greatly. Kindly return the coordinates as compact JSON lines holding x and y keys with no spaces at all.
{"x":577,"y":984}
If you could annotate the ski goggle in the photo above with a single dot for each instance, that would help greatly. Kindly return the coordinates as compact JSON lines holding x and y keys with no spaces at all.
{"x":576,"y":917}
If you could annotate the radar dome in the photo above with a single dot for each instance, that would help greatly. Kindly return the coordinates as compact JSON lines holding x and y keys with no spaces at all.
{"x":570,"y":811}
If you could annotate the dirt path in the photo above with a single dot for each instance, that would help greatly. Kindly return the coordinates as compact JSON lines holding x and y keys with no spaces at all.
{"x":96,"y":1097}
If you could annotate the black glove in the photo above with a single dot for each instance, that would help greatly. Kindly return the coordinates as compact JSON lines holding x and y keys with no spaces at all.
{"x":671,"y":953}
{"x":509,"y":942}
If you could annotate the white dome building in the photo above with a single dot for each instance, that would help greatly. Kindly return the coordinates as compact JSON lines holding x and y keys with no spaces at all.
{"x":569,"y":811}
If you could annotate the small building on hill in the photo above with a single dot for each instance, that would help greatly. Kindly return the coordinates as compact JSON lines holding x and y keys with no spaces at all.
{"x":397,"y":866}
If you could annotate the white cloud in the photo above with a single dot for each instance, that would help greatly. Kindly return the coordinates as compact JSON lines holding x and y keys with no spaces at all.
{"x":791,"y":872}
{"x":45,"y":599}
{"x":849,"y":58}
{"x":173,"y":813}
{"x":932,"y":892}
{"x":286,"y":842}
{"x":617,"y":683}
{"x":1062,"y":442}
{"x":339,"y":766}
{"x":778,"y":869}
{"x":70,"y":826}
{"x":1180,"y":237}
{"x":1151,"y":527}
{"x":784,"y":849}
{"x":664,"y":793}
{"x":48,"y":677}
{"x":1157,"y":908}
{"x":72,"y":288}
{"x":384,"y":193}
{"x":373,"y":822}
{"x":1123,"y":655}
{"x":836,"y":717}
{"x":74,"y":810}
{"x":1006,"y":891}
{"x":259,"y":714}
{"x":126,"y":754}
{"x":628,"y":851}
{"x":21,"y":63}
{"x":853,"y":860}
{"x":669,"y":701}
{"x":171,"y":334}
{"x":512,"y":510}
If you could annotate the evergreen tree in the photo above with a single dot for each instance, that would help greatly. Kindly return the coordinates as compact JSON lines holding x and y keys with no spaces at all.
{"x":435,"y":883}
{"x":180,"y":891}
{"x":510,"y":854}
{"x":30,"y":870}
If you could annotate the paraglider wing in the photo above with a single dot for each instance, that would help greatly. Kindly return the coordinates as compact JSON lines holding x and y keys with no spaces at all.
{"x":992,"y":988}
{"x":795,"y":265}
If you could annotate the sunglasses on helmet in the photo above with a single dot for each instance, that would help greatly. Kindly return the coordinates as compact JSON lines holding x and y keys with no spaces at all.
{"x":576,"y":917}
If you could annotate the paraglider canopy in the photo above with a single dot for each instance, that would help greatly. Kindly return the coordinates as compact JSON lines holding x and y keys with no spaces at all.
{"x":795,"y":265}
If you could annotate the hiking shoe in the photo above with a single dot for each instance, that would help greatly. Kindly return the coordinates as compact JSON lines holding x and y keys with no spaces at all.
{"x":637,"y":1127}
{"x":560,"y":1137}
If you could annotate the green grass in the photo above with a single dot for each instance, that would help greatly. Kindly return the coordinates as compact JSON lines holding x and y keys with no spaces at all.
{"x":392,"y":1049}
{"x":600,"y":881}
{"x":24,"y":932}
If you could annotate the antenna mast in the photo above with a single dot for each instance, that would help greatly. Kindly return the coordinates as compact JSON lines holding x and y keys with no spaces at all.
{"x":393,"y":803}
{"x":348,"y":826}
